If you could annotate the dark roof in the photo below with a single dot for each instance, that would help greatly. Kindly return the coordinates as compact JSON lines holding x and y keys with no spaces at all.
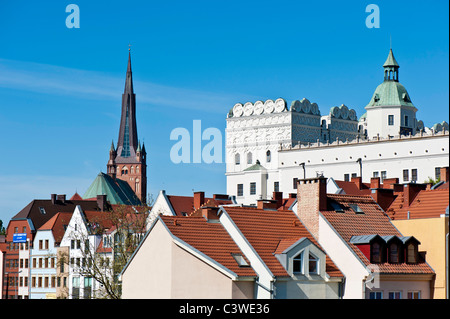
{"x":39,"y":211}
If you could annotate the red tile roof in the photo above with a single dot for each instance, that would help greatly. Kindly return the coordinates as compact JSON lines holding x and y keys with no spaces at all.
{"x":427,"y":204}
{"x":272,"y":231}
{"x":372,"y":221}
{"x":209,"y":238}
{"x":57,"y":224}
{"x":185,"y":204}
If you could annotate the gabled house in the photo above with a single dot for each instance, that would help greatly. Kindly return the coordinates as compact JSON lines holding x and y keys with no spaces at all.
{"x":231,"y":252}
{"x":174,"y":205}
{"x":376,"y":259}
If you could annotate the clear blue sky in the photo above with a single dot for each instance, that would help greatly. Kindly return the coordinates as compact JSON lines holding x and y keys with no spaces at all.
{"x":60,"y":88}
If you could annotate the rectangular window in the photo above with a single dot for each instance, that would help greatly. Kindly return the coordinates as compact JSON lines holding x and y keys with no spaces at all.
{"x":297,"y":263}
{"x":376,"y":174}
{"x":395,"y":295}
{"x":406,"y":120}
{"x":276,"y":186}
{"x":376,"y":295}
{"x":413,"y":294}
{"x":347,"y":177}
{"x":294,"y":183}
{"x":405,"y":175}
{"x":390,"y":119}
{"x":414,"y":174}
{"x":437,"y":173}
{"x":40,"y":245}
{"x":354,"y":175}
{"x":240,"y":189}
{"x":252,"y":188}
{"x":383,"y":175}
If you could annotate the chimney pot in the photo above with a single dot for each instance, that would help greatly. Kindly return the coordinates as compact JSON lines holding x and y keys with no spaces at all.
{"x":101,"y":202}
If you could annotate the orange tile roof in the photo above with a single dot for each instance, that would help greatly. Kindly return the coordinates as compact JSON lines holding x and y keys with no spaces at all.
{"x":209,"y":238}
{"x":427,"y":204}
{"x":57,"y":225}
{"x":372,"y":221}
{"x":270,"y":231}
{"x":185,"y":204}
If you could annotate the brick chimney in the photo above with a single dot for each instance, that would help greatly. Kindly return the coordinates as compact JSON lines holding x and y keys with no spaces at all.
{"x":390,"y":182}
{"x":444,"y":174}
{"x":278,"y":196}
{"x":311,"y":198}
{"x":358,"y":181}
{"x":101,"y":202}
{"x":199,"y":199}
{"x":61,"y":198}
{"x":375,"y":182}
{"x":410,"y":192}
{"x":383,"y":196}
{"x":53,"y":198}
{"x":267,"y":204}
{"x":210,"y":213}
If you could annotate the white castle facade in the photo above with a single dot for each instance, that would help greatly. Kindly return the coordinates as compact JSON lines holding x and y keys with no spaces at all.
{"x":270,"y":145}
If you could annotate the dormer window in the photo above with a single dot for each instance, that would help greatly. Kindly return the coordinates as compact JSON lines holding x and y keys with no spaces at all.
{"x":313,"y":264}
{"x":376,"y":253}
{"x":297,"y":263}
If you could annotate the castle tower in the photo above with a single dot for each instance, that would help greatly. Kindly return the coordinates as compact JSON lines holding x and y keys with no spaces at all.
{"x":128,"y":161}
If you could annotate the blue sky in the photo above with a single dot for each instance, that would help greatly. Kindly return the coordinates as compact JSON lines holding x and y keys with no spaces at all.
{"x":60,"y":88}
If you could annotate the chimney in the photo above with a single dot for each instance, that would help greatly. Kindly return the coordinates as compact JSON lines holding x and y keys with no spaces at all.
{"x":101,"y":202}
{"x":210,"y":213}
{"x":199,"y":199}
{"x":292,"y":195}
{"x":311,"y":198}
{"x":410,"y":192}
{"x":53,"y":197}
{"x":61,"y":198}
{"x":390,"y":182}
{"x":267,"y":204}
{"x":375,"y":182}
{"x":444,"y":174}
{"x":358,"y":181}
{"x":383,"y":196}
{"x":278,"y":196}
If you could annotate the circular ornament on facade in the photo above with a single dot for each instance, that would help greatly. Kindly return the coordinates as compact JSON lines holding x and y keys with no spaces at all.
{"x":344,"y":111}
{"x":238,"y":109}
{"x":306,"y":106}
{"x":335,"y":112}
{"x":269,"y":106}
{"x":314,"y":108}
{"x":258,"y":108}
{"x":248,"y":109}
{"x":352,"y":114}
{"x":280,"y":105}
{"x":295,"y":106}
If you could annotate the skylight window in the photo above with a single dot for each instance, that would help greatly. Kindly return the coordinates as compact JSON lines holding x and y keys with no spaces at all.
{"x":42,"y":210}
{"x":356,"y":208}
{"x":240,"y":260}
{"x":336,"y":207}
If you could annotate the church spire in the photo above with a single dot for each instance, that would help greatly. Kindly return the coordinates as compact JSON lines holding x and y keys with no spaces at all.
{"x":128,"y":142}
{"x":391,"y":68}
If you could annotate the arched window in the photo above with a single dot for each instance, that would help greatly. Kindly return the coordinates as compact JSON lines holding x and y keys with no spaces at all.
{"x":137,"y":169}
{"x":412,"y":254}
{"x":132,"y":169}
{"x":268,"y":157}
{"x":249,"y":158}
{"x":124,"y":170}
{"x":237,"y":159}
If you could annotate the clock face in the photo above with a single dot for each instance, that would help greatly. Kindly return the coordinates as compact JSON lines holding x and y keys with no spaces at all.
{"x":280,"y":105}
{"x":238,"y":109}
{"x":248,"y":109}
{"x":258,"y":108}
{"x":269,"y":106}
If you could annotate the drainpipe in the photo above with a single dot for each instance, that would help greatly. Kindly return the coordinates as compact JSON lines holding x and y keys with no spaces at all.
{"x":370,"y":277}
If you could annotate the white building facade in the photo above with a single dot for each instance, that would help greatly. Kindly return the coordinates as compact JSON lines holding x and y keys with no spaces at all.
{"x":269,"y":146}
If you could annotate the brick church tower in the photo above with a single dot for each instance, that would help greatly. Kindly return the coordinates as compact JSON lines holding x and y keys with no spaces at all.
{"x":128,"y":161}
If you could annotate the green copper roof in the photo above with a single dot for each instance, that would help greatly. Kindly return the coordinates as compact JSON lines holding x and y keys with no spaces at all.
{"x":390,"y":93}
{"x":255,"y":167}
{"x":390,"y":61}
{"x":116,"y":191}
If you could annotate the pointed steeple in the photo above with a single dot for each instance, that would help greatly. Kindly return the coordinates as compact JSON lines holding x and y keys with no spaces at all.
{"x":391,"y":68}
{"x":127,"y":142}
